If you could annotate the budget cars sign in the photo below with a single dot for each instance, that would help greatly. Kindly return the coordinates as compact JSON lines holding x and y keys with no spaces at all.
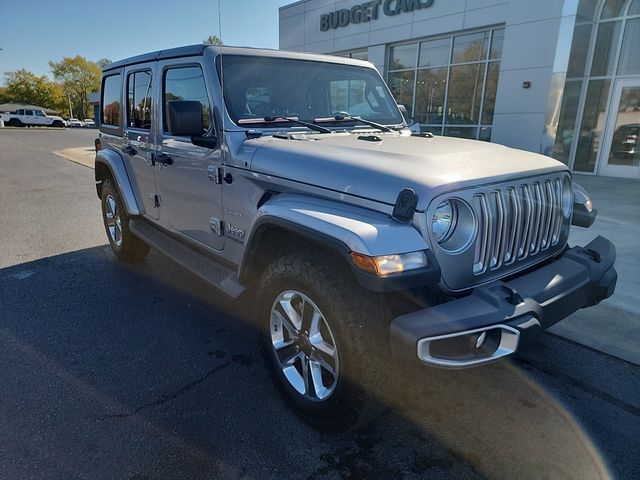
{"x":370,"y":11}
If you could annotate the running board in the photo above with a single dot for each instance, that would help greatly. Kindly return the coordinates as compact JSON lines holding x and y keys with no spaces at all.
{"x":212,"y":272}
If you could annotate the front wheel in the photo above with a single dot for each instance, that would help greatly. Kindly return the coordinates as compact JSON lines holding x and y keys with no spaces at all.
{"x":123,"y":242}
{"x":323,"y":340}
{"x":57,"y":124}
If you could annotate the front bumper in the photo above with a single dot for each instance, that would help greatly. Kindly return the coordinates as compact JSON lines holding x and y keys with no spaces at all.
{"x":497,"y":319}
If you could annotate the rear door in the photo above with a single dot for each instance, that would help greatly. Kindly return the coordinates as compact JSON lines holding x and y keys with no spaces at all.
{"x":190,"y":196}
{"x":139,"y":134}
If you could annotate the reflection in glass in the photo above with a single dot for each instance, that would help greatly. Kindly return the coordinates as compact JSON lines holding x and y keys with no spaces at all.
{"x":493,"y":73}
{"x":485,"y":134}
{"x":579,"y":51}
{"x":461,"y":132}
{"x":186,"y":83}
{"x":629,"y":63}
{"x":465,"y":94}
{"x":626,"y":137}
{"x":360,"y":55}
{"x":435,"y":53}
{"x":496,"y":44}
{"x":401,"y":85}
{"x":606,"y":46}
{"x":634,"y":9}
{"x":403,"y":56}
{"x":587,"y":9}
{"x":470,"y":48}
{"x":430,"y":94}
{"x":613,"y":8}
{"x":567,"y":121}
{"x":593,"y":121}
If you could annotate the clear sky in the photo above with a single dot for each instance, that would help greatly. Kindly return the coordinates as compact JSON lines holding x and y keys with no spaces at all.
{"x":32,"y":32}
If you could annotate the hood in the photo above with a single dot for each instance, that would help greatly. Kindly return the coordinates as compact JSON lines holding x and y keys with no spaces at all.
{"x":379,"y":170}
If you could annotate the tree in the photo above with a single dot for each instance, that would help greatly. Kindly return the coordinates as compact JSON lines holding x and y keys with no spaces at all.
{"x":26,"y":87}
{"x":212,"y":40}
{"x":78,"y":77}
{"x":103,"y":62}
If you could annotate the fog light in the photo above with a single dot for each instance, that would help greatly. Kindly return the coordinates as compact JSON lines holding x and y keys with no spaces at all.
{"x":389,"y":264}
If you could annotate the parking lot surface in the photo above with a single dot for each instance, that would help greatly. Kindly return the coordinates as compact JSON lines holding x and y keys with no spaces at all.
{"x":141,"y":371}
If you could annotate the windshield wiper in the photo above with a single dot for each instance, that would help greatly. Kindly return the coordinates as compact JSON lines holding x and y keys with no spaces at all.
{"x":351,"y":118}
{"x":295,"y":120}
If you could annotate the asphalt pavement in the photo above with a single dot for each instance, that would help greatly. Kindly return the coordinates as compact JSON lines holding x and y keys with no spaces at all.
{"x":142,"y":371}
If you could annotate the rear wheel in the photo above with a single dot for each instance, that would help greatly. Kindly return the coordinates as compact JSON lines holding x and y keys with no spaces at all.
{"x":15,"y":122}
{"x":116,"y":222}
{"x":323,"y":340}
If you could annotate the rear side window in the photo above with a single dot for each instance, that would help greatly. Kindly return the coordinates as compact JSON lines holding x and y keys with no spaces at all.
{"x":139,"y":100}
{"x":111,"y":95}
{"x":186,"y":83}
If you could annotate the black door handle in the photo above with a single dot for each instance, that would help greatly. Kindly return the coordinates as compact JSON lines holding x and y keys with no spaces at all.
{"x":129,"y":150}
{"x":164,"y":159}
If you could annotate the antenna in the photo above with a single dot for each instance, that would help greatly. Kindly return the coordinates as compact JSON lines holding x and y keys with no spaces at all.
{"x":219,"y":21}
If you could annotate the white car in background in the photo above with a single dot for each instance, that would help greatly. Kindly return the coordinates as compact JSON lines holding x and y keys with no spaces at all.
{"x":74,"y":122}
{"x":89,"y":123}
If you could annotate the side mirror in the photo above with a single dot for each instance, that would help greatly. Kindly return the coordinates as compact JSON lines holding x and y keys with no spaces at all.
{"x":185,"y":118}
{"x":404,"y":112}
{"x":583,"y":212}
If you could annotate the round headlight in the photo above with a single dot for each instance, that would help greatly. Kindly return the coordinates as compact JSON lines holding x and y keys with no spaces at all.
{"x":567,"y":198}
{"x":443,"y":222}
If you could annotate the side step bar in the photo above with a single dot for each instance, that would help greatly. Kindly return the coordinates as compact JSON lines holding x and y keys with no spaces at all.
{"x":209,"y":270}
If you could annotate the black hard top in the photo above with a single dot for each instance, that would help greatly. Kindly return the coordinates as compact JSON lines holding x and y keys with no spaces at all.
{"x":195,"y":50}
{"x":188,"y":51}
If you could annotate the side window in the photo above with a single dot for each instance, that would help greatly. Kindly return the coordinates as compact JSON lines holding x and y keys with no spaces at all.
{"x":111,"y":100}
{"x":29,"y":113}
{"x":139,"y":100}
{"x":39,"y":113}
{"x":186,"y":83}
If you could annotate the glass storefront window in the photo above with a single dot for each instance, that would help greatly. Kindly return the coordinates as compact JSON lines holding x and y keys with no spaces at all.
{"x":593,"y":122}
{"x":491,"y":91}
{"x":606,"y":47}
{"x":613,"y":9}
{"x":470,"y":48}
{"x":448,"y":92}
{"x":403,"y":57}
{"x":401,"y":85}
{"x":465,"y":94}
{"x":629,"y":63}
{"x":579,"y":50}
{"x":634,"y":9}
{"x":497,"y":43}
{"x":462,"y":132}
{"x":435,"y":53}
{"x":430,"y":92}
{"x":567,"y":121}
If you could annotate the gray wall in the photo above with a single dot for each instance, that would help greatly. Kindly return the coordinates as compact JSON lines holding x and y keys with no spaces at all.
{"x":531,"y":42}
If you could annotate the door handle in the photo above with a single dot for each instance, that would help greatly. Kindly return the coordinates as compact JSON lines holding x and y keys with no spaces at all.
{"x":164,"y":159}
{"x":129,"y":150}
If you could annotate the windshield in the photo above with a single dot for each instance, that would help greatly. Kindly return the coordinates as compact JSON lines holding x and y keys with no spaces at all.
{"x":259,"y":87}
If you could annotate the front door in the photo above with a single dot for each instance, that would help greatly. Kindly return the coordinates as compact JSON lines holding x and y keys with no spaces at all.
{"x":190,"y":194}
{"x":621,"y":152}
{"x":139,"y":142}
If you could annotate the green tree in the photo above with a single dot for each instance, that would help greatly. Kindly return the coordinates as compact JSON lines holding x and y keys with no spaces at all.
{"x":26,"y":87}
{"x":78,"y":77}
{"x":103,"y":62}
{"x":212,"y":40}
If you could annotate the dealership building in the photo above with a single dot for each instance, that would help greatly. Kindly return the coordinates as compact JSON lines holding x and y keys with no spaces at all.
{"x":559,"y":77}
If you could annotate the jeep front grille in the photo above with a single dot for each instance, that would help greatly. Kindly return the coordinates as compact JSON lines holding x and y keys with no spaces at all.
{"x":516,"y":222}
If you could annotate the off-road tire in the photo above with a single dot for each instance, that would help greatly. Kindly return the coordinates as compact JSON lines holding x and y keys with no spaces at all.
{"x":131,"y":248}
{"x":359,"y":321}
{"x":57,"y":124}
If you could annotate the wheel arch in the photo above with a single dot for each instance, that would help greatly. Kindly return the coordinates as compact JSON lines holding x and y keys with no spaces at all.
{"x":109,"y":164}
{"x":290,"y":222}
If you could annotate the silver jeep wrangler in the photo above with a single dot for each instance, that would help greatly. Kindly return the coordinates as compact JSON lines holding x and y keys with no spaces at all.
{"x":294,"y":178}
